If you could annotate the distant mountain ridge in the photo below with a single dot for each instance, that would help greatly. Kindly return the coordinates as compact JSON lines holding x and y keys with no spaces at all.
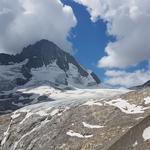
{"x":145,"y":85}
{"x":45,"y":59}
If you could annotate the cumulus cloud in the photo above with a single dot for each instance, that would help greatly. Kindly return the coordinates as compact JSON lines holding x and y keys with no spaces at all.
{"x":127,"y":79}
{"x":23,"y":22}
{"x":128,"y":21}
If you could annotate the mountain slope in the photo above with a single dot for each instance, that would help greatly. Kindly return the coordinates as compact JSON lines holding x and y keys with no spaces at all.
{"x":98,"y":123}
{"x":43,"y":62}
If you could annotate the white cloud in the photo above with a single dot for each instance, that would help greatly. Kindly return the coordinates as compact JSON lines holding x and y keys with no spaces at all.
{"x":23,"y":22}
{"x":128,"y":21}
{"x":127,"y":79}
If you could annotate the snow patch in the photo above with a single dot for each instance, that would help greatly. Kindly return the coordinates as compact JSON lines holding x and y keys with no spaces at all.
{"x":75,"y":134}
{"x":26,"y":117}
{"x":91,"y":103}
{"x":15,"y":115}
{"x":147,"y":100}
{"x":126,"y":107}
{"x":41,"y":113}
{"x":6,"y":134}
{"x":54,"y":112}
{"x":146,"y":134}
{"x":91,"y":126}
{"x":135,"y":144}
{"x":139,"y":118}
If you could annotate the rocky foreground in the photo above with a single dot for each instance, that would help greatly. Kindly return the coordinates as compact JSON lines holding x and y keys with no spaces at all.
{"x":120,"y":122}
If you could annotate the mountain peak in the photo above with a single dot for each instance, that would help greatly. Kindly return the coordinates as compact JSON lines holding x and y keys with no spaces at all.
{"x":40,"y":48}
{"x":45,"y":61}
{"x":145,"y":85}
{"x":44,"y":45}
{"x":44,"y":41}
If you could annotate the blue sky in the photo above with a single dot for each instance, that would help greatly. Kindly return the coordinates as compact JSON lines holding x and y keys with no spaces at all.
{"x":90,"y":39}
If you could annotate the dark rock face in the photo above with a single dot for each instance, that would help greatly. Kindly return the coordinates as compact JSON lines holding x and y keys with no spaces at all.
{"x":42,"y":53}
{"x":147,"y":84}
{"x":6,"y":59}
{"x":95,"y":78}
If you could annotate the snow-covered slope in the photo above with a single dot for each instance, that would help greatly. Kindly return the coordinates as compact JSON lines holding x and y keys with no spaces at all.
{"x":10,"y":75}
{"x":57,"y":76}
{"x":44,"y":62}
